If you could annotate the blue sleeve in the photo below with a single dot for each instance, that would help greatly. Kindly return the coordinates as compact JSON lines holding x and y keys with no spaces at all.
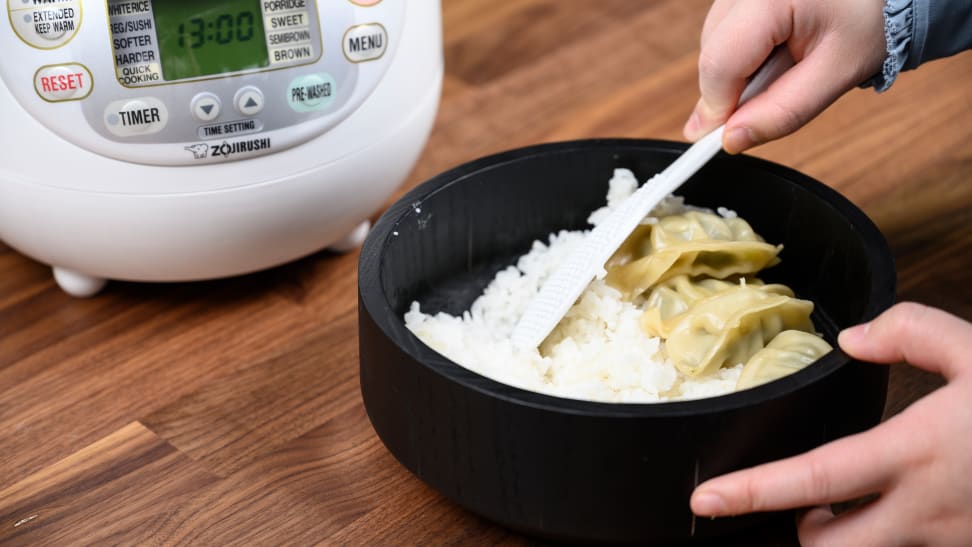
{"x":922,"y":30}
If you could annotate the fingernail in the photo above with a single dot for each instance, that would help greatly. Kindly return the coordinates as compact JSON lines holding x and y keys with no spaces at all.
{"x":708,"y":504}
{"x":738,"y":140}
{"x":691,"y":129}
{"x":853,"y":334}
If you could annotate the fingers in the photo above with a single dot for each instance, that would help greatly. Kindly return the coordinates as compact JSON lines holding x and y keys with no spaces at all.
{"x":789,"y":103}
{"x":922,"y":336}
{"x":728,"y":56}
{"x":836,"y":44}
{"x":867,"y":525}
{"x":815,"y":518}
{"x":838,"y":471}
{"x":811,"y":524}
{"x":716,"y":13}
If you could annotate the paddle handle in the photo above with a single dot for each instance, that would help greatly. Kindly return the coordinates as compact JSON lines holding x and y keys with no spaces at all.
{"x":778,"y":62}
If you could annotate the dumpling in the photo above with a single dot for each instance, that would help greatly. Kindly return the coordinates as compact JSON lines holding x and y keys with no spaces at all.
{"x":788,"y":352}
{"x":669,"y":300}
{"x":729,"y":327}
{"x":694,"y":243}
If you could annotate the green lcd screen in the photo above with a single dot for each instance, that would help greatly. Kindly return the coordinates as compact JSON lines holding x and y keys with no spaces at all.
{"x":212,"y":37}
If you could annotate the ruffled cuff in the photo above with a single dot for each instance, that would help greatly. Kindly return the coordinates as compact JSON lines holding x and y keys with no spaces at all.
{"x":899,"y":33}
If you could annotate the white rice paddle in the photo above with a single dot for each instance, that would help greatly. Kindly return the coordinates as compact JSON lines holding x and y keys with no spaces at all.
{"x":569,"y":280}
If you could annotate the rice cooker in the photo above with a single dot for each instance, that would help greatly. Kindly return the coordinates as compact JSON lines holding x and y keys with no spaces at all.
{"x":174,"y":140}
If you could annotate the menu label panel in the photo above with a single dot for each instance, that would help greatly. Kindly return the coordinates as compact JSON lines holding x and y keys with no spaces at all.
{"x":134,"y":42}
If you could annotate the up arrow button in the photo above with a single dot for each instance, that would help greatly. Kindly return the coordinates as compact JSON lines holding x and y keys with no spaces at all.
{"x":249,"y":100}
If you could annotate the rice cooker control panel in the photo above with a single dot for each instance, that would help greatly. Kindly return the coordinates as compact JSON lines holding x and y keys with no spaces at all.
{"x":185,"y":82}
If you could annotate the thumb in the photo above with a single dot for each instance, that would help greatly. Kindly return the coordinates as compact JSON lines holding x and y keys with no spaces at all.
{"x":798,"y":96}
{"x":925,"y":337}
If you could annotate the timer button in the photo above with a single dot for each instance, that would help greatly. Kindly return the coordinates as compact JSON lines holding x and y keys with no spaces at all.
{"x":132,"y":117}
{"x":249,"y":100}
{"x":206,"y":107}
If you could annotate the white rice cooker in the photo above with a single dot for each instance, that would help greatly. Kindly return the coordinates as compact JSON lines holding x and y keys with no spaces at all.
{"x":169,"y":140}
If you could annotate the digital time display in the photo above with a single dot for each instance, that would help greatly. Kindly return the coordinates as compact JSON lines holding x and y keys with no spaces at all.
{"x":212,"y":37}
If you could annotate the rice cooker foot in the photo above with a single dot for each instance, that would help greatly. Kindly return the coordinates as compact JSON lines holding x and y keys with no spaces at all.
{"x":78,"y":284}
{"x":353,"y":240}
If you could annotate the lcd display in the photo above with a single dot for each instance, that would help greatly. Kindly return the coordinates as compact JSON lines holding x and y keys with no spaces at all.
{"x":212,"y":37}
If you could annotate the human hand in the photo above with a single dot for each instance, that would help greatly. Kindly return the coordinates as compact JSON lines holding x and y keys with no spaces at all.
{"x":837,"y":45}
{"x":917,"y":461}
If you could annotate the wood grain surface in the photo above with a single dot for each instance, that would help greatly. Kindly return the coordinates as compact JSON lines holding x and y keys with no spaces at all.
{"x":228,"y":412}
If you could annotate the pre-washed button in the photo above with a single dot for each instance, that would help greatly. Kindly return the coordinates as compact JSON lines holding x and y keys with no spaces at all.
{"x":70,"y":81}
{"x":45,"y":25}
{"x":365,"y":42}
{"x":206,"y":107}
{"x":131,"y":117}
{"x":312,"y":93}
{"x":249,"y":100}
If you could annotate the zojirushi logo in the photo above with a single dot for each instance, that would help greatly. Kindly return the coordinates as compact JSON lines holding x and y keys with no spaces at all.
{"x":227,"y":148}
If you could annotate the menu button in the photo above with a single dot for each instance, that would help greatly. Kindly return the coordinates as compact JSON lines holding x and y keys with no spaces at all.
{"x":365,"y":42}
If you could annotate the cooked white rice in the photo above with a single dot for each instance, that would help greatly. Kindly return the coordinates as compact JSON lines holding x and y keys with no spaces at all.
{"x":598,"y":352}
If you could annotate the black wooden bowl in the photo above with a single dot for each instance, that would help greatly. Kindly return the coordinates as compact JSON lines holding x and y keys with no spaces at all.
{"x":584,"y":471}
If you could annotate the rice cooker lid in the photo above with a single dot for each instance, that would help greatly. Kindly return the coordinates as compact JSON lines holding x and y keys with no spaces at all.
{"x":187,"y":83}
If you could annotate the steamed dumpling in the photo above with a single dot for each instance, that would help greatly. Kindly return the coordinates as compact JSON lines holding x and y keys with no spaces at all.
{"x":729,"y":327}
{"x":694,"y":243}
{"x":788,"y":352}
{"x":670,"y":300}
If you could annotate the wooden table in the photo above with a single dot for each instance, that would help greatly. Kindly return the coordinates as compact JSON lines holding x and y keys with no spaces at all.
{"x":229,"y":412}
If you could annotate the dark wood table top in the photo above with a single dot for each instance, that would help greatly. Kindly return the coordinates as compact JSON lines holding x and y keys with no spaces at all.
{"x":228,"y":411}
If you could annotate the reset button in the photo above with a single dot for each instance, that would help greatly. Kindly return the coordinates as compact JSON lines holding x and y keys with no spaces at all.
{"x":67,"y":82}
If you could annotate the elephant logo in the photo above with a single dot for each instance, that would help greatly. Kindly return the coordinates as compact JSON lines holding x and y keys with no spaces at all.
{"x":199,"y":151}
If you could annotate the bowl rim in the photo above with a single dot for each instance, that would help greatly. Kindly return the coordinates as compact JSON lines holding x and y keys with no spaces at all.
{"x":392,"y":325}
